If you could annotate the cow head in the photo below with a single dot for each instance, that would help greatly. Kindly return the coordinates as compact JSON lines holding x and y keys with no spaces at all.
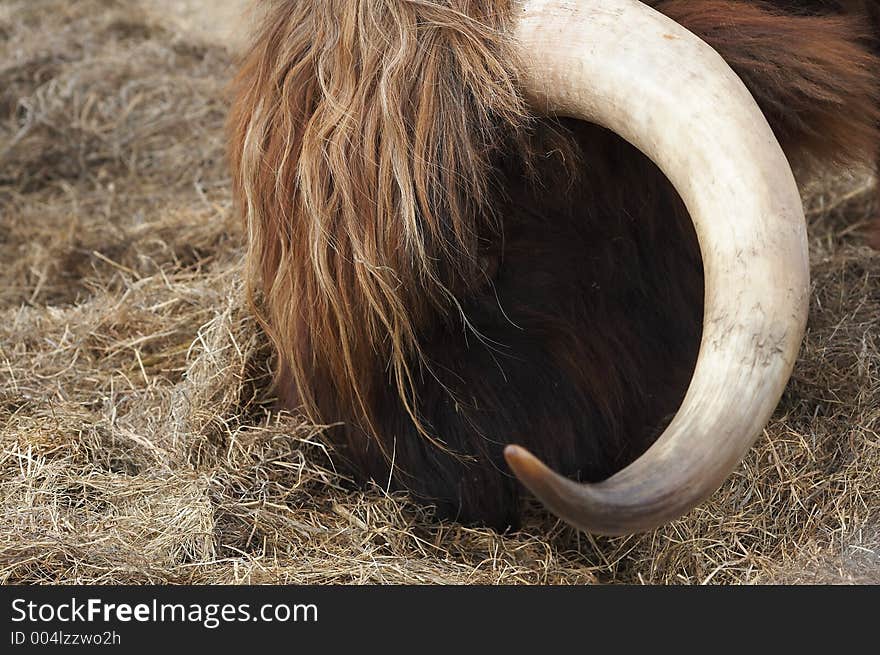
{"x":454,"y":253}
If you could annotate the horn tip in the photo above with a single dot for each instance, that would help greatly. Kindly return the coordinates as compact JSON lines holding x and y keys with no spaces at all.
{"x":524,"y":465}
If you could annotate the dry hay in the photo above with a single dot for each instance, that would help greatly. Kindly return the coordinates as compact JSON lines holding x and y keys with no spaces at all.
{"x":137,"y":445}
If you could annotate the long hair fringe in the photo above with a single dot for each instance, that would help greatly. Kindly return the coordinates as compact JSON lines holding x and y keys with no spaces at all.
{"x":362,"y":133}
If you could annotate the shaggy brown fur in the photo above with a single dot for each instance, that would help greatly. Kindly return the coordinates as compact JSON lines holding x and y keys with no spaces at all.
{"x":443,"y":274}
{"x":362,"y":137}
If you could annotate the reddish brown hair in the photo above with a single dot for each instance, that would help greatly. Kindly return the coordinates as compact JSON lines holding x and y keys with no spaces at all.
{"x":362,"y":134}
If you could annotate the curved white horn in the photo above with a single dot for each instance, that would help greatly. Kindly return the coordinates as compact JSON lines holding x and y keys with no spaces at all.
{"x":622,"y":65}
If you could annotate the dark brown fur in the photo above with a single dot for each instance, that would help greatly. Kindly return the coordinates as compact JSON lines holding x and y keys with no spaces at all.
{"x":872,"y":8}
{"x":445,"y":275}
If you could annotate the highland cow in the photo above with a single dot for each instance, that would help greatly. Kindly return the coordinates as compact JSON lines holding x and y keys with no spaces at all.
{"x":565,"y":225}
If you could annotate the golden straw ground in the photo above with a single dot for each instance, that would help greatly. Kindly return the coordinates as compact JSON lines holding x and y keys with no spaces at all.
{"x":137,"y":445}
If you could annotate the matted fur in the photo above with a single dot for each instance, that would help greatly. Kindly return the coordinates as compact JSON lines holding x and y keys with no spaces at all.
{"x":436,"y":275}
